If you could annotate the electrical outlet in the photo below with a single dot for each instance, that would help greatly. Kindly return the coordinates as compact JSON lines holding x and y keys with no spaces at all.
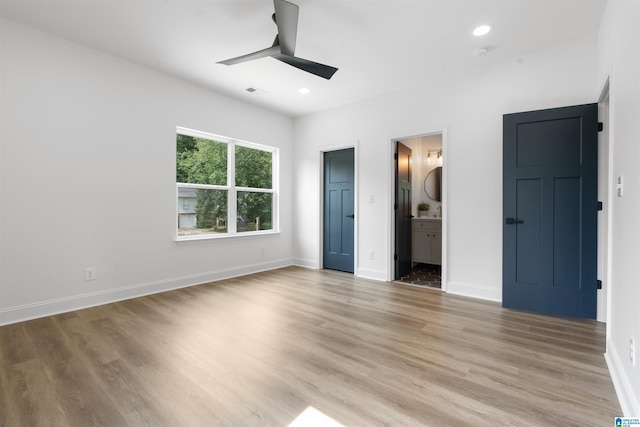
{"x":370,"y":256}
{"x":90,"y":273}
{"x":632,"y":352}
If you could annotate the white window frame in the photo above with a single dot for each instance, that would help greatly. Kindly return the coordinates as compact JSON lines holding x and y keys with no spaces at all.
{"x":232,"y":190}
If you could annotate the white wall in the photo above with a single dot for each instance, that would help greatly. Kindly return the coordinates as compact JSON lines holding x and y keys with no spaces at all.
{"x":470,"y":111}
{"x":619,"y":60}
{"x":88,"y":178}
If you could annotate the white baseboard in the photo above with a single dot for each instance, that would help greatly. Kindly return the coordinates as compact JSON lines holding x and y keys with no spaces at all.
{"x":624,"y":390}
{"x":308,"y":263}
{"x":366,"y":273}
{"x":78,"y":302}
{"x":474,"y":291}
{"x":361,"y":272}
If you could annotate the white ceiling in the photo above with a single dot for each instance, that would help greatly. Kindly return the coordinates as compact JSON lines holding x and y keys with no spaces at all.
{"x":379,"y":46}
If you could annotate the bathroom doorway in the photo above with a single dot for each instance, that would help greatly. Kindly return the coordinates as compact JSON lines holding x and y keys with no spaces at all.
{"x":425,"y":251}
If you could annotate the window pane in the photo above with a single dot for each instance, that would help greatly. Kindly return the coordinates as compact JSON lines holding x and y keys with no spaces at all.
{"x":201,"y":211}
{"x":254,"y":211}
{"x":201,"y":161}
{"x":253,"y":167}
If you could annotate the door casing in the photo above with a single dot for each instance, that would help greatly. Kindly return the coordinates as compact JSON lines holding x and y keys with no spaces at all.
{"x":605,"y":195}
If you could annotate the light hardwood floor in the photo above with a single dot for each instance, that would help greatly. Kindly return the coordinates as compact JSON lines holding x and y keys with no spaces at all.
{"x":258,"y":350}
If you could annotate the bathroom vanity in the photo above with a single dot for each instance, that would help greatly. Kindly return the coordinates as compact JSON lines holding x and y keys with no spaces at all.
{"x":426,"y":240}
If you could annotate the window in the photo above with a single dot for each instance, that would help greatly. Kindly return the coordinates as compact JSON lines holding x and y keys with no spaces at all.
{"x":225,"y":187}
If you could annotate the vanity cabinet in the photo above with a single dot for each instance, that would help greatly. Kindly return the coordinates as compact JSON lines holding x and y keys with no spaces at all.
{"x":426,"y":240}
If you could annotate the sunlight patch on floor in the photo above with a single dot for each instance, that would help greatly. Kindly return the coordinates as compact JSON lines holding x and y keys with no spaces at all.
{"x":311,"y":417}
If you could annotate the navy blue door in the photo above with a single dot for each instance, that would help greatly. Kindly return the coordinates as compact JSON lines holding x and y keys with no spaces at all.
{"x":550,"y":211}
{"x":338,"y":210}
{"x":402,"y":255}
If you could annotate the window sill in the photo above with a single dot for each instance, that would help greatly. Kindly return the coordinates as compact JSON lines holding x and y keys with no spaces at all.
{"x":210,"y":237}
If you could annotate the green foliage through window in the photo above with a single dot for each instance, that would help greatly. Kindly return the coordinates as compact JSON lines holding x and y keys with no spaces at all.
{"x":253,"y":168}
{"x":254,"y":211}
{"x":201,"y":161}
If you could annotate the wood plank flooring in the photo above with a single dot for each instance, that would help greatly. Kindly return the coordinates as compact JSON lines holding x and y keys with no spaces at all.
{"x":259,"y":350}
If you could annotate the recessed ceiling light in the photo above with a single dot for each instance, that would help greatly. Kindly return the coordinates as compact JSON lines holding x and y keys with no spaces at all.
{"x":304,"y":90}
{"x":481,"y":30}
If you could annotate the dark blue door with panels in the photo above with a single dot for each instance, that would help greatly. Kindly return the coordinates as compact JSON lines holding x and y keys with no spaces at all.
{"x":550,"y":211}
{"x":339,"y":215}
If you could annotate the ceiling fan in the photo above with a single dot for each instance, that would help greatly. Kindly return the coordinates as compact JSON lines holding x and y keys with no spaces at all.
{"x":284,"y":46}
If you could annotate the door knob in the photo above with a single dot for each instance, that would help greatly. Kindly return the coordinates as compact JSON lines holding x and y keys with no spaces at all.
{"x":351,"y":216}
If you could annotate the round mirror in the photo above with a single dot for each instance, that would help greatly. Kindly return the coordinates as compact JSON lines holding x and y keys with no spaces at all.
{"x":433,"y":184}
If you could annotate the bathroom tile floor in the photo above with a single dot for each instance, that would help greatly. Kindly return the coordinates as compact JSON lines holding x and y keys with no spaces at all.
{"x":424,"y":275}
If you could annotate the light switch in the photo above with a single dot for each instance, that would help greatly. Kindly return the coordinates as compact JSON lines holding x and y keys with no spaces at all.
{"x":619,"y":186}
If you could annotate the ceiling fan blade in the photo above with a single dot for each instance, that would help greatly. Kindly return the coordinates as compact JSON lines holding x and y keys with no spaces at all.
{"x":320,"y":70}
{"x":286,"y":18}
{"x":270,"y":51}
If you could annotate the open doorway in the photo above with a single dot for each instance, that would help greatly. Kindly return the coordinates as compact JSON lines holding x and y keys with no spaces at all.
{"x":418,"y":207}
